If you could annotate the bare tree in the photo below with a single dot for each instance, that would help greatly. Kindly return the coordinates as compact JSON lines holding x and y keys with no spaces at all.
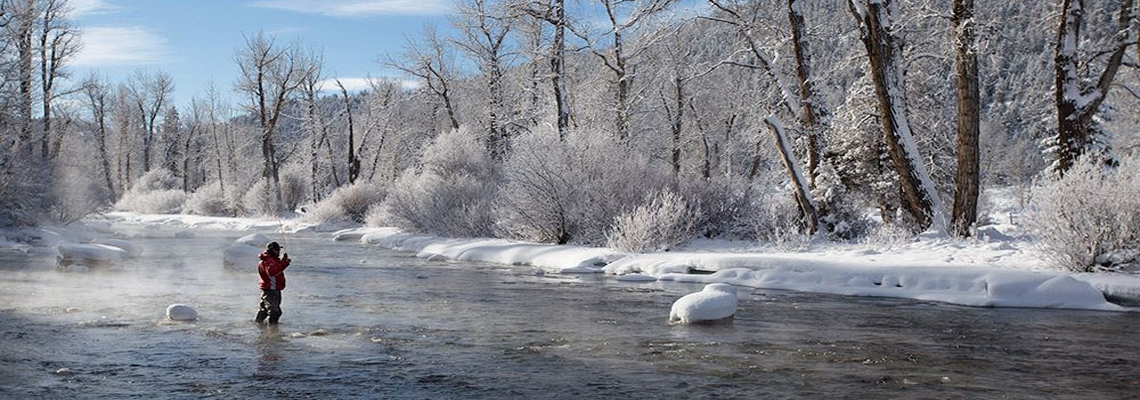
{"x":484,"y":33}
{"x":1077,"y":102}
{"x":353,"y":161}
{"x":431,"y":62}
{"x":965,"y":211}
{"x":20,"y":26}
{"x":58,"y":44}
{"x":614,"y":54}
{"x":815,"y":114}
{"x":96,"y":94}
{"x":884,"y":51}
{"x":271,"y":73}
{"x":317,"y":130}
{"x":149,"y":95}
{"x":553,"y":12}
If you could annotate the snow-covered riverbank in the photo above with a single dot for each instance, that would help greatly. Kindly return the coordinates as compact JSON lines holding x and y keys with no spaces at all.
{"x":995,"y":271}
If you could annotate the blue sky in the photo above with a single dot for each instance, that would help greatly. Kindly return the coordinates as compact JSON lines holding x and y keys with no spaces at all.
{"x":194,"y":40}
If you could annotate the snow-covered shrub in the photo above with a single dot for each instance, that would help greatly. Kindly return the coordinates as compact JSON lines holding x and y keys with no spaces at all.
{"x":449,"y":195}
{"x":155,"y":180}
{"x":888,"y":235}
{"x":724,"y":207}
{"x":571,"y":190}
{"x":838,"y":210}
{"x":153,"y":193}
{"x":294,"y":187}
{"x":154,"y":202}
{"x":209,"y":200}
{"x":75,"y":194}
{"x":778,"y":221}
{"x":346,"y":204}
{"x":1089,"y":220}
{"x":258,"y":200}
{"x":661,"y":224}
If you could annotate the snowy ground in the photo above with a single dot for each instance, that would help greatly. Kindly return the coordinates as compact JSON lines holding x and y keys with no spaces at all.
{"x":999,"y":268}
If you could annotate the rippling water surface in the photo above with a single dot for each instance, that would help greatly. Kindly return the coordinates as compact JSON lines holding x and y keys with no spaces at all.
{"x":365,"y":322}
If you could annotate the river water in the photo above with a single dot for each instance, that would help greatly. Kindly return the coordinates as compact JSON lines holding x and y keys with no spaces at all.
{"x":363,"y":322}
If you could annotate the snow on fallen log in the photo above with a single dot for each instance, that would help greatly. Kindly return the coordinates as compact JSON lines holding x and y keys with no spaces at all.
{"x":92,"y":255}
{"x":716,"y":303}
{"x":555,"y":258}
{"x":983,"y":287}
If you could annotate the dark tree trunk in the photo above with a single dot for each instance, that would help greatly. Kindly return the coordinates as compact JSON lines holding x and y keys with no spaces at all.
{"x":965,"y":211}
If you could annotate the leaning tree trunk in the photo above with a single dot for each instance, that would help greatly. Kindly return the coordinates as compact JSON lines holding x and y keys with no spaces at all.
{"x":558,"y":68}
{"x":808,"y":213}
{"x":965,"y":211}
{"x":920,"y":198}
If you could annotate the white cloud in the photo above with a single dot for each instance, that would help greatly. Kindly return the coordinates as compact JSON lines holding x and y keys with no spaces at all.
{"x":126,"y":45}
{"x":359,"y":84}
{"x":79,"y":8}
{"x":358,"y":8}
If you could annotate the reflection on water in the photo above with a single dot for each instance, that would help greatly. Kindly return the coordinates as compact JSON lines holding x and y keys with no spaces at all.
{"x":470,"y":330}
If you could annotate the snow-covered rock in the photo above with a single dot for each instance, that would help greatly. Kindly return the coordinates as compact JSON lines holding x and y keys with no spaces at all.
{"x":181,"y":312}
{"x":636,"y":278}
{"x":89,"y":254}
{"x":350,"y":235}
{"x":240,"y":257}
{"x":254,"y":239}
{"x":717,"y":302}
{"x":133,"y":250}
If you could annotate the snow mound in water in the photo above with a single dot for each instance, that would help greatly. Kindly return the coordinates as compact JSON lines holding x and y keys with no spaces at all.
{"x":240,"y":257}
{"x":184,"y":234}
{"x":716,"y":302}
{"x":256,"y":240}
{"x":181,"y":312}
{"x":636,"y":278}
{"x":132,"y":249}
{"x":351,"y":235}
{"x":89,"y":254}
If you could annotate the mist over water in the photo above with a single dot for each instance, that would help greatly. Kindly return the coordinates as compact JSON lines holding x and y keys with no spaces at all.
{"x":359,"y":323}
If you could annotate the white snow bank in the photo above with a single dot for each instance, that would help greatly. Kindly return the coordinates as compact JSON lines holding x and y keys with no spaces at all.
{"x":558,"y":258}
{"x":181,"y":312}
{"x":89,"y":254}
{"x":240,"y":257}
{"x":636,"y":278}
{"x":1119,"y":288}
{"x":254,"y":239}
{"x":717,"y":302}
{"x":133,"y":250}
{"x":981,"y":287}
{"x":353,"y":234}
{"x":183,"y":221}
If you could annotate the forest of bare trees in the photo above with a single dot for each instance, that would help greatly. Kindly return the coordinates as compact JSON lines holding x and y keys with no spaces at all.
{"x":541,"y":120}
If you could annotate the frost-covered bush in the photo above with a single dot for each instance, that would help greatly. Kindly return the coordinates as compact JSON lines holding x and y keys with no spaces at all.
{"x":778,"y":221}
{"x":75,"y":194}
{"x":294,"y":187}
{"x":209,"y":200}
{"x":155,"y":202}
{"x":888,"y":235}
{"x":571,"y":190}
{"x":155,"y":180}
{"x":258,"y":200}
{"x":1090,"y":219}
{"x":661,"y":224}
{"x":449,"y":195}
{"x":723,"y":206}
{"x":346,"y":204}
{"x":153,"y":193}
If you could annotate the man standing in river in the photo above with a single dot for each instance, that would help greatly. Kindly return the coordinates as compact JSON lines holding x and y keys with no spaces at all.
{"x":271,"y":271}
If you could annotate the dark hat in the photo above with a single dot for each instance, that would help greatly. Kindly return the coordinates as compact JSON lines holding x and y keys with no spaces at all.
{"x":273,"y":245}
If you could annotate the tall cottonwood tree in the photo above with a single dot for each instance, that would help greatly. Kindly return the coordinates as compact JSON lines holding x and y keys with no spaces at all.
{"x":271,"y":74}
{"x":884,"y":51}
{"x":553,"y":12}
{"x":431,"y":62}
{"x":483,"y":36}
{"x":968,"y":177}
{"x":614,"y":53}
{"x":1079,"y":100}
{"x":97,"y":95}
{"x":58,"y":45}
{"x":150,"y":93}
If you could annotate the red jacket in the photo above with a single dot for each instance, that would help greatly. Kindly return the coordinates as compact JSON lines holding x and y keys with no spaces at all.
{"x":272,"y":272}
